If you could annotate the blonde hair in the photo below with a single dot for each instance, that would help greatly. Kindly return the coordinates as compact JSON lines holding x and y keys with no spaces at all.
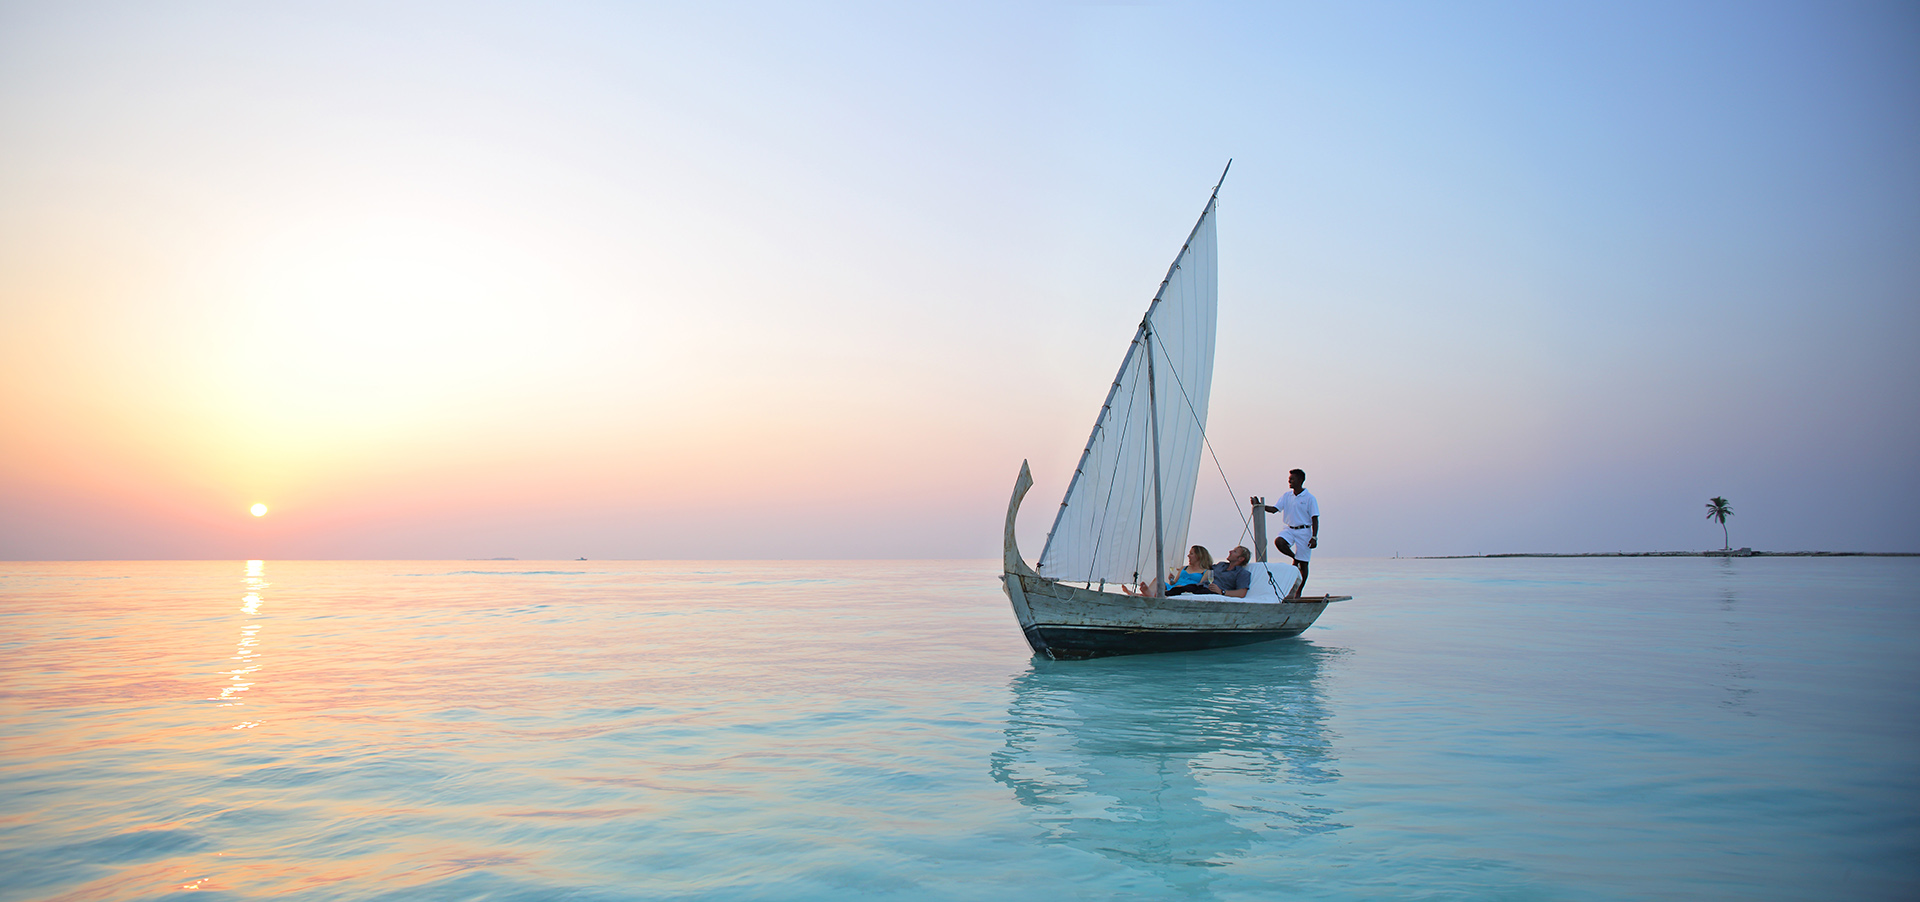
{"x":1206,"y":557}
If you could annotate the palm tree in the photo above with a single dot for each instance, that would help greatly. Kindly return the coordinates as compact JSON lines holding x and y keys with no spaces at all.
{"x":1717,"y":509}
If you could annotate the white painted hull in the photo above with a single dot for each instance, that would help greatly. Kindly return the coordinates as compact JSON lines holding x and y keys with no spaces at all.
{"x":1065,"y":621}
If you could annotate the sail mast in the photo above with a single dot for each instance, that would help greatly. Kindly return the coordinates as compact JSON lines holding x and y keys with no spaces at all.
{"x":1153,"y":412}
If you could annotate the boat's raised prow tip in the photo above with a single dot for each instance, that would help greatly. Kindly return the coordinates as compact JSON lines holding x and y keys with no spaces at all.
{"x":1011,"y":545}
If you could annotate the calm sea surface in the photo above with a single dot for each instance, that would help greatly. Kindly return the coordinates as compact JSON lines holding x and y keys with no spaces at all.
{"x":1479,"y":729}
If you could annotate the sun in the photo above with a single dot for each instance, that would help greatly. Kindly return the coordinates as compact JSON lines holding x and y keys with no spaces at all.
{"x":259,"y":510}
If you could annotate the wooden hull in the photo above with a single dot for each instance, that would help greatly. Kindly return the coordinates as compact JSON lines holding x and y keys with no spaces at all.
{"x":1069,"y":622}
{"x":1066,"y":622}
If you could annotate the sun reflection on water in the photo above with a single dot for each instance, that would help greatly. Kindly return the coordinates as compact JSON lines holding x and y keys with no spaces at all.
{"x":246,"y":654}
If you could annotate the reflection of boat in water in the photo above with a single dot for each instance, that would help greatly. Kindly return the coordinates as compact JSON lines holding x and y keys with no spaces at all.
{"x":1177,"y":765}
{"x":1131,"y":498}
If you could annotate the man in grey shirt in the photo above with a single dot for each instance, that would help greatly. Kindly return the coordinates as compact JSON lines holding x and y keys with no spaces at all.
{"x":1231,"y":576}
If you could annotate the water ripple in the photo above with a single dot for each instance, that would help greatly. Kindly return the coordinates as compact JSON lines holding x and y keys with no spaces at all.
{"x":1568,"y":730}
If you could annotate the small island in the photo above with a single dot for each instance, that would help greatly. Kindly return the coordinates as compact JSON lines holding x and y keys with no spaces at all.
{"x":1725,"y":552}
{"x":1718,"y":510}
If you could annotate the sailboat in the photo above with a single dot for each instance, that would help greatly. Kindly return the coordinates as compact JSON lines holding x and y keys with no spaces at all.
{"x":1130,"y":500}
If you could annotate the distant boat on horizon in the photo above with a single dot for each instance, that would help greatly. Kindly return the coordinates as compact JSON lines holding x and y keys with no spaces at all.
{"x":1131,"y":499}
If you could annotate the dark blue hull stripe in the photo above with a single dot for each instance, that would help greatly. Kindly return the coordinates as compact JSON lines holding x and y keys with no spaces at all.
{"x":1071,"y":642}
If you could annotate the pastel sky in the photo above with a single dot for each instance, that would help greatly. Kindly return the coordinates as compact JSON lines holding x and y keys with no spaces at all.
{"x":741,"y":281}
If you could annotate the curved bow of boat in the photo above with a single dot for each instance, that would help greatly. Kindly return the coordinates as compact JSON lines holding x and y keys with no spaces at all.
{"x":1013,"y":562}
{"x":1015,"y":567}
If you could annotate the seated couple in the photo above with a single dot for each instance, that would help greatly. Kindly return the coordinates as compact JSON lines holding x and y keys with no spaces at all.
{"x":1202,"y":576}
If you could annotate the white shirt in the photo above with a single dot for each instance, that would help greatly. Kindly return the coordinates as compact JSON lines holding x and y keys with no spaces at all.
{"x":1296,"y":521}
{"x":1298,"y":511}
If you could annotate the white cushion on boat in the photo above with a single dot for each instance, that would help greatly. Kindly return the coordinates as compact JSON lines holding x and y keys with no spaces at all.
{"x":1263,"y":590}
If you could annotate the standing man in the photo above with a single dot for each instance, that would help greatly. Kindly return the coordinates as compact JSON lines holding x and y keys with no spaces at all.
{"x":1300,"y":525}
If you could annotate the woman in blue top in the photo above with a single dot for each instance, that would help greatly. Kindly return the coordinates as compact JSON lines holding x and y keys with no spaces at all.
{"x":1195,"y":579}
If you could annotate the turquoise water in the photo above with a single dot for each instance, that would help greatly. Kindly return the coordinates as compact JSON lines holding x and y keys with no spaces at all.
{"x":1506,"y":729}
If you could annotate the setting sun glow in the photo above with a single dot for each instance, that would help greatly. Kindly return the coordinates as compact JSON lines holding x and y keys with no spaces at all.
{"x":259,"y":510}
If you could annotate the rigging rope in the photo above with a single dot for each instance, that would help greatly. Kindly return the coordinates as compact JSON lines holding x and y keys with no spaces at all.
{"x":1106,"y":507}
{"x":1246,"y":525}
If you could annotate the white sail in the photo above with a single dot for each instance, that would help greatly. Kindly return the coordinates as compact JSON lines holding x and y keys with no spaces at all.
{"x":1120,"y":520}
